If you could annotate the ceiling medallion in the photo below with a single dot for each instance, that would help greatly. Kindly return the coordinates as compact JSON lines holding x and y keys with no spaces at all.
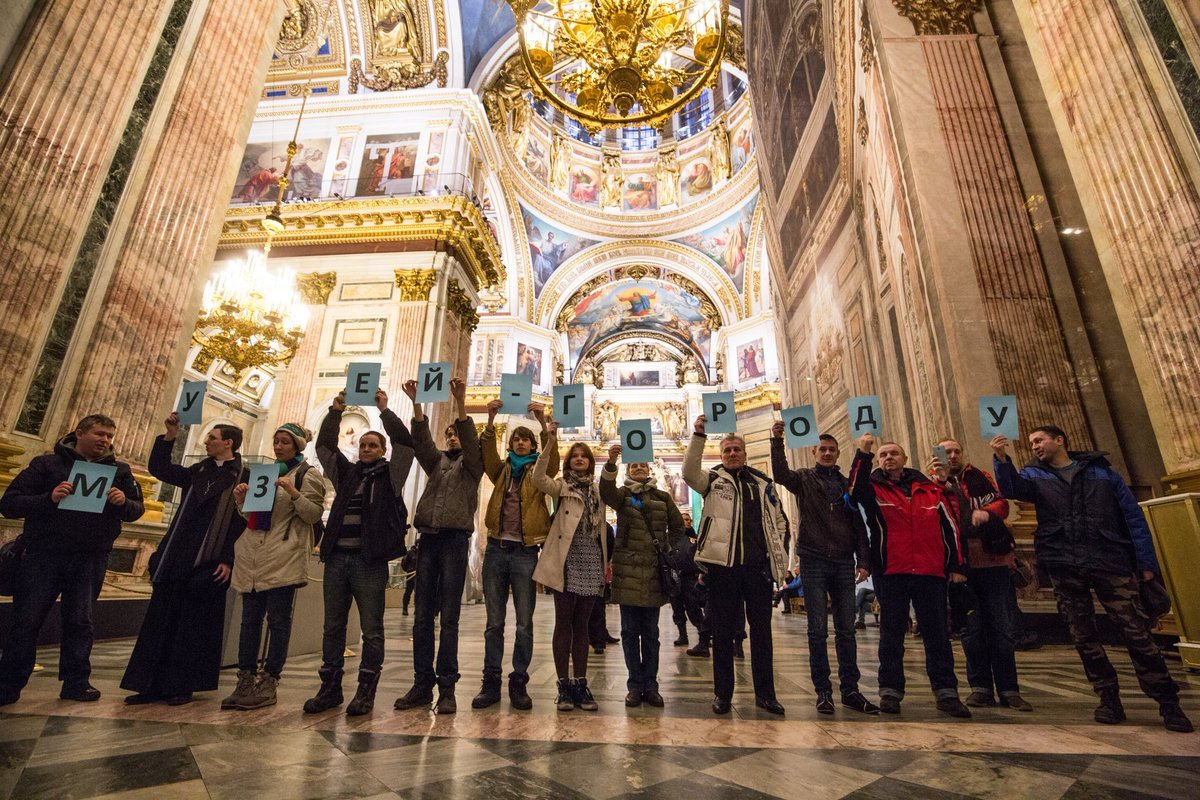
{"x":620,"y":63}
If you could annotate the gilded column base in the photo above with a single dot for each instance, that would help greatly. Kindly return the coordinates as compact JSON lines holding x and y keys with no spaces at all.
{"x":1182,"y":482}
{"x":10,"y":460}
{"x":149,"y":485}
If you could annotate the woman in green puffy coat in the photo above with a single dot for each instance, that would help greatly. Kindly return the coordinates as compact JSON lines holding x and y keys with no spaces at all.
{"x":647,"y":521}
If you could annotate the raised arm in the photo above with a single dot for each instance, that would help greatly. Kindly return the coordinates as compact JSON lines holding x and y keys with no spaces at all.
{"x":427,"y":453}
{"x":609,"y":493}
{"x":401,"y":461}
{"x":693,"y":472}
{"x":328,"y":453}
{"x":468,"y":437}
{"x":1012,"y":484}
{"x":493,"y":464}
{"x":544,"y":483}
{"x":781,"y":471}
{"x":160,"y":464}
{"x":861,"y":491}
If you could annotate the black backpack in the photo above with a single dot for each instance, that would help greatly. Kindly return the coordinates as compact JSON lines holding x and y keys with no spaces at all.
{"x":318,"y":526}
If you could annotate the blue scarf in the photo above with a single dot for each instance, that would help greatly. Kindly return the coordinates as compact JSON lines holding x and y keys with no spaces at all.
{"x":517,"y":464}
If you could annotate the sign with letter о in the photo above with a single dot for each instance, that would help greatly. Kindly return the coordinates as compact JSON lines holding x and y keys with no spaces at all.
{"x":568,"y":405}
{"x":637,"y":441}
{"x":260,"y":494}
{"x":998,"y":416}
{"x":89,"y":487}
{"x":433,"y":382}
{"x":800,"y":427}
{"x":720,"y":412}
{"x":362,"y":381}
{"x":191,"y":402}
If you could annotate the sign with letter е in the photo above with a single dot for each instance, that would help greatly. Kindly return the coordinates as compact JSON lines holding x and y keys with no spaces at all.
{"x":362,"y":381}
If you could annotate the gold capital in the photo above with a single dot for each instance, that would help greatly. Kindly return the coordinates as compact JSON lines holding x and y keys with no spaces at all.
{"x":315,"y":287}
{"x":460,"y":304}
{"x":415,"y":284}
{"x":939,"y":17}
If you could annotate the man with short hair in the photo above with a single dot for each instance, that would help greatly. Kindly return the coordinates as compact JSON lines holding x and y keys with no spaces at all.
{"x":831,"y":543}
{"x":915,"y":548}
{"x":66,"y":553}
{"x":445,"y":520}
{"x":742,"y":547}
{"x":178,"y":649}
{"x":1092,"y":537}
{"x":987,"y":640}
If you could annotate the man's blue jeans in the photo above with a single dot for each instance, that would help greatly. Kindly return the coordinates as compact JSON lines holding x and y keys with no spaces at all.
{"x":350,"y":577}
{"x":441,"y":573}
{"x":818,"y":576}
{"x":508,"y":569}
{"x":987,"y":641}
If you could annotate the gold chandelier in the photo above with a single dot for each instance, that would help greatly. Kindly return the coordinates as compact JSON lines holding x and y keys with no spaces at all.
{"x":251,"y":317}
{"x":620,"y":63}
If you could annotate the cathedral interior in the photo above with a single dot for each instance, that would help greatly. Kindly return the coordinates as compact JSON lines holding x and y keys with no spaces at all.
{"x":925,"y":201}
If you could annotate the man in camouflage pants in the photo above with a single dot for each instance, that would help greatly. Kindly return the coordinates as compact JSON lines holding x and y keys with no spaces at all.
{"x":1092,"y":536}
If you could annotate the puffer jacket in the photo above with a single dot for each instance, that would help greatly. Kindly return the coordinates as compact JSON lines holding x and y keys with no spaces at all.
{"x":551,"y":566}
{"x":914,"y":534}
{"x":721,"y":516}
{"x":451,"y":496}
{"x":264,"y":560}
{"x":641,"y":518}
{"x":1092,"y":523}
{"x":535,"y":516}
{"x":51,"y":529}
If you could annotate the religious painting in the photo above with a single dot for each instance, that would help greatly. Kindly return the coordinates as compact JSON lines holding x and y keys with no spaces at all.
{"x":339,"y":179}
{"x":536,"y":160}
{"x":645,"y":305}
{"x":750,"y":361}
{"x":726,"y":242}
{"x":263,"y":164}
{"x":433,"y":161}
{"x":529,"y":362}
{"x":639,"y":377}
{"x":741,"y":144}
{"x":396,"y":29}
{"x":696,"y":179}
{"x":549,"y":247}
{"x":388,"y":163}
{"x":640,"y":192}
{"x":583,"y":184}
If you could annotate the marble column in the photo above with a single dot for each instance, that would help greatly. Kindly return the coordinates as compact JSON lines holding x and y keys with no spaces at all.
{"x":294,"y":393}
{"x":65,"y":101}
{"x":1141,"y":203}
{"x":137,"y":343}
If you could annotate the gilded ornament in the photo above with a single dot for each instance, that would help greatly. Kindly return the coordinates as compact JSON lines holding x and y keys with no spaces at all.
{"x":460,"y":304}
{"x":560,"y":162}
{"x":668,"y":177}
{"x":396,"y":30}
{"x":612,"y":180}
{"x":861,"y":127}
{"x":735,"y":45}
{"x":392,"y":77}
{"x":939,"y":17}
{"x":866,"y":43}
{"x":504,"y":99}
{"x":718,"y":150}
{"x":315,"y":287}
{"x":414,"y":284}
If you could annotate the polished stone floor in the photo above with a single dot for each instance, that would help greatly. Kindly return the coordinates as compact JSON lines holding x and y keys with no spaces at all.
{"x":55,"y":749}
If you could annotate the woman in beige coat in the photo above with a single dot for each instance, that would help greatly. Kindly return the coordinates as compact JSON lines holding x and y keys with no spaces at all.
{"x":270,"y":563}
{"x":572,"y":563}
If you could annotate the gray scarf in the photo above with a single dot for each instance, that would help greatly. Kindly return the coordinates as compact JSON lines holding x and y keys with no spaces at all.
{"x":637,"y":487}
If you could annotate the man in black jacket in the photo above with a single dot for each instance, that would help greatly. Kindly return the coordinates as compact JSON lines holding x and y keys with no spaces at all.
{"x":366,"y":530}
{"x":834,"y":553}
{"x":178,"y":649}
{"x":65,"y":554}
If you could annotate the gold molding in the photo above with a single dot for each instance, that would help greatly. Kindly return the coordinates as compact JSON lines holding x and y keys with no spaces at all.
{"x":391,"y":77}
{"x":450,"y":221}
{"x":866,"y":42}
{"x":861,"y":127}
{"x":414,"y":284}
{"x":939,"y":17}
{"x":315,"y":287}
{"x":457,"y":302}
{"x":766,"y":395}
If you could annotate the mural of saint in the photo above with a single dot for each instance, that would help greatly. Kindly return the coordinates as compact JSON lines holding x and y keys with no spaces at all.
{"x":529,"y":362}
{"x":697,"y":179}
{"x":388,"y":163}
{"x":645,"y":305}
{"x":262,"y":165}
{"x":397,"y":30}
{"x":584,"y":186}
{"x":750,"y":360}
{"x":549,"y":247}
{"x":726,"y":242}
{"x":640,"y":193}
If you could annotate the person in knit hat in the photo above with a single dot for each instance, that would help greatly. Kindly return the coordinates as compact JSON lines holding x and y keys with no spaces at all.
{"x":270,"y":563}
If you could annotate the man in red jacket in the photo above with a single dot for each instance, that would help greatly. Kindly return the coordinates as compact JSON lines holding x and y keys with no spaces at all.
{"x":987,"y":641}
{"x":915,"y":549}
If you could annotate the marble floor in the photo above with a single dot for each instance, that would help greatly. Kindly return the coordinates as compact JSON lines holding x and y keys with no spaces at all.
{"x":56,"y":749}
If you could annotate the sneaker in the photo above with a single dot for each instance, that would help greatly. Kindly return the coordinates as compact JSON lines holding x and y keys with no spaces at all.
{"x":980,"y":700}
{"x":1110,"y":711}
{"x":246,"y":679}
{"x":1174,"y":719}
{"x":953,"y":707}
{"x":80,"y":693}
{"x":416,"y":697}
{"x":855,"y":701}
{"x":261,"y":694}
{"x":566,"y":695}
{"x":889,"y":704}
{"x":824,"y":702}
{"x":1015,"y":701}
{"x":583,"y":696}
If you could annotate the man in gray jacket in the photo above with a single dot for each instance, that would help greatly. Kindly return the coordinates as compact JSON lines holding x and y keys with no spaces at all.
{"x":445,"y":519}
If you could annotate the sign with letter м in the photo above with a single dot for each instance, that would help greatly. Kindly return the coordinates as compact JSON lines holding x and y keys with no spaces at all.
{"x":637,"y":442}
{"x":433,"y":382}
{"x":260,"y":492}
{"x":362,"y":381}
{"x":89,"y":487}
{"x":800,"y":427}
{"x":568,"y":405}
{"x":191,"y":402}
{"x":720,"y":413}
{"x":998,"y":416}
{"x":516,"y":390}
{"x":864,"y":415}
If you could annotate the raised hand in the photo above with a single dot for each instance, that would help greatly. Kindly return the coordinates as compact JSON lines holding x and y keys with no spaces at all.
{"x":614,"y":454}
{"x":866,"y":443}
{"x":172,"y":426}
{"x":552,"y":428}
{"x":339,"y":402}
{"x":493,"y":408}
{"x":381,"y":399}
{"x":936,"y":467}
{"x":999,"y":445}
{"x":410,"y":389}
{"x":458,"y":390}
{"x":777,"y":429}
{"x":698,"y":425}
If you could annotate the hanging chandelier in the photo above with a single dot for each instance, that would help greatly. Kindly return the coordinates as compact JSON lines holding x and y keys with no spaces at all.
{"x":621,"y":63}
{"x":251,"y":317}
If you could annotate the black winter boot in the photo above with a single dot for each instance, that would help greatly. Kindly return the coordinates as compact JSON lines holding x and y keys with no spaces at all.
{"x":364,"y":698}
{"x":517,"y":695}
{"x":446,"y":704}
{"x":416,"y":697}
{"x":682,"y":641}
{"x":1110,"y":711}
{"x":489,"y":693}
{"x":329,"y":695}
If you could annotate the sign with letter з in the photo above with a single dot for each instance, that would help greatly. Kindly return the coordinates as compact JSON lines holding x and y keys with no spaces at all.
{"x":260,"y":494}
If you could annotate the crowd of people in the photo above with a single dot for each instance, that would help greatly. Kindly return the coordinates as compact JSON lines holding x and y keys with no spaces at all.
{"x":918,"y":536}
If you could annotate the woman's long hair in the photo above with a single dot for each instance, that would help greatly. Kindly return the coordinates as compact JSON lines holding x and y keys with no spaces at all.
{"x":587,"y":451}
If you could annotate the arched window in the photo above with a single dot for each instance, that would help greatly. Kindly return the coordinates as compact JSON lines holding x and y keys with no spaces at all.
{"x":695,"y":116}
{"x":802,"y":88}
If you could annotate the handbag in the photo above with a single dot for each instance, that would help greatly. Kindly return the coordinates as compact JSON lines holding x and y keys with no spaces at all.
{"x":669,"y":579}
{"x":10,"y":565}
{"x":408,"y":563}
